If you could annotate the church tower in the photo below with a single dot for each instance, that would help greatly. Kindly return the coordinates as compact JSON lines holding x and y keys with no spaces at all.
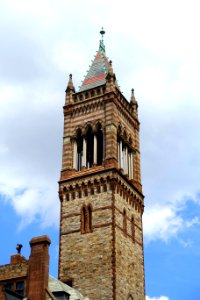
{"x":101,"y":237}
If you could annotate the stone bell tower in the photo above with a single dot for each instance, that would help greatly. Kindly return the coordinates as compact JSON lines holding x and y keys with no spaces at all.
{"x":101,"y":238}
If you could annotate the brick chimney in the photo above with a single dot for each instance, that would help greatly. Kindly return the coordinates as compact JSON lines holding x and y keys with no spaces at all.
{"x":38,"y":270}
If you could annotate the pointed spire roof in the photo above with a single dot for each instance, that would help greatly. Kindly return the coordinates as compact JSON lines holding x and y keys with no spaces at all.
{"x":70,"y":86}
{"x":133,"y":100}
{"x":98,"y":70}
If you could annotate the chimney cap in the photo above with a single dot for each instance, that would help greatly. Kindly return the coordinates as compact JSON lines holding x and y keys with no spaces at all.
{"x":43,"y":239}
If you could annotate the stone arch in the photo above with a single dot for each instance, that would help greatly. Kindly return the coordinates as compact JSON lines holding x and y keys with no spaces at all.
{"x":125,"y":135}
{"x":87,"y":127}
{"x":119,"y":130}
{"x":130,"y":140}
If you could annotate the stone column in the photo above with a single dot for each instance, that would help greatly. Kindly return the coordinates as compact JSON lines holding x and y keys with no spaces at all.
{"x":131,"y":165}
{"x":125,"y":160}
{"x":120,"y":154}
{"x":75,"y":155}
{"x":84,"y":152}
{"x":95,"y":150}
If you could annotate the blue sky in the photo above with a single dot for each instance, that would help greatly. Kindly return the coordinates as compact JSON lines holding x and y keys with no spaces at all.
{"x":155,"y":49}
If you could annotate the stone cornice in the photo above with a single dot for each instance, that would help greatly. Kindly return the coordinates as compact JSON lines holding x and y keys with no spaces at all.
{"x":96,"y":174}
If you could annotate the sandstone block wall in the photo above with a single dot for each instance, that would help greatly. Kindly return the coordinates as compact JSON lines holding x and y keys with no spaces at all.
{"x":129,"y":253}
{"x":13,"y":270}
{"x":86,"y":259}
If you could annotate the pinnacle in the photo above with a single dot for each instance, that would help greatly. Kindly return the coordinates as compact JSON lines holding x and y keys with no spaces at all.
{"x":70,"y":86}
{"x":133,"y":100}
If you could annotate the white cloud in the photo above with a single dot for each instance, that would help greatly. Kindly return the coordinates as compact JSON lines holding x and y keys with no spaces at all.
{"x":164,"y":222}
{"x":161,"y":223}
{"x":160,"y":61}
{"x":157,"y":298}
{"x":33,"y":203}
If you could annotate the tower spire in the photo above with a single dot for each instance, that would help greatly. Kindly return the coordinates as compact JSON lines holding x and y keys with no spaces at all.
{"x":98,"y":70}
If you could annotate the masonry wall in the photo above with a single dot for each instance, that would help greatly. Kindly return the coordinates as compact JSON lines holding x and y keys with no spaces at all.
{"x":86,"y":258}
{"x":129,"y":252}
{"x":13,"y":272}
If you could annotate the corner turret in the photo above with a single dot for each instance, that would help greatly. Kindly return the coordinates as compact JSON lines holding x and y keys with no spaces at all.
{"x":70,"y":90}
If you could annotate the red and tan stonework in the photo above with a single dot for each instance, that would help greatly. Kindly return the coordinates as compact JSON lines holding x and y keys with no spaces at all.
{"x":103,"y":260}
{"x":29,"y":278}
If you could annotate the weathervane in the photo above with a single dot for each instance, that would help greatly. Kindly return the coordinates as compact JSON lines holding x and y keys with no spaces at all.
{"x":102,"y":32}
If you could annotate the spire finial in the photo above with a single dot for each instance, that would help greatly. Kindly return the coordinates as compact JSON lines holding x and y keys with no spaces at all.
{"x":102,"y":32}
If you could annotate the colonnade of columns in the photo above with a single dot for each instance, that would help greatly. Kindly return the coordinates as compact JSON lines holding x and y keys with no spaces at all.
{"x":125,"y":159}
{"x":85,"y":157}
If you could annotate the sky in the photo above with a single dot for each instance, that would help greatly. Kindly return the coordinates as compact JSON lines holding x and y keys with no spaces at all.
{"x":154,"y":46}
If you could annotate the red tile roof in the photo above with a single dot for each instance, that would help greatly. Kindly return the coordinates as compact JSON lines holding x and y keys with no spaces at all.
{"x":98,"y":70}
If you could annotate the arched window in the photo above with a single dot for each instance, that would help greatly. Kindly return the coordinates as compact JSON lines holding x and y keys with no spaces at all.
{"x":86,"y":219}
{"x":124,"y":222}
{"x":133,"y":228}
{"x":125,"y":152}
{"x":130,"y":297}
{"x":83,"y":218}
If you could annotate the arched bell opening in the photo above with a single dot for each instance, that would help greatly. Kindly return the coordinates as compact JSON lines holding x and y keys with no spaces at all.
{"x":79,"y":140}
{"x":99,"y":136}
{"x":125,"y":152}
{"x":89,"y":147}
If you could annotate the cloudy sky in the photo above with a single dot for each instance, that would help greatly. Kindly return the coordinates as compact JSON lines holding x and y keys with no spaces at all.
{"x":154,"y":46}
